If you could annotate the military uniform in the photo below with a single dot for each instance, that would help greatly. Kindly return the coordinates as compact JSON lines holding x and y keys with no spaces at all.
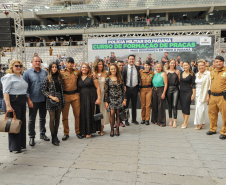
{"x":211,"y":68}
{"x":113,"y":59}
{"x":217,"y":102}
{"x":150,"y":61}
{"x":71,"y":97}
{"x":146,"y":94}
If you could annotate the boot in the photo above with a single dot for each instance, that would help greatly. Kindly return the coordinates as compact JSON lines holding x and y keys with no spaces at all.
{"x":54,"y":140}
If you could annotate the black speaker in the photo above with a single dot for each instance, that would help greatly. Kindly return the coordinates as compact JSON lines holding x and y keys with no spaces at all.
{"x":5,"y":29}
{"x":7,"y":36}
{"x":7,"y":43}
{"x":7,"y":22}
{"x":7,"y":33}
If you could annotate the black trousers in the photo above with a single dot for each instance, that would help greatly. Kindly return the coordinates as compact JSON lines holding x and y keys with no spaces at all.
{"x":158,"y":107}
{"x":131,"y":93}
{"x":41,"y":106}
{"x":18,"y":103}
{"x":172,"y":96}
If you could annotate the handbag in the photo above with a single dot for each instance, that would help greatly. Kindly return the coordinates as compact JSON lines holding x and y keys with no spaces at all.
{"x":53,"y":103}
{"x":10,"y":125}
{"x":97,"y":116}
{"x":124,"y":114}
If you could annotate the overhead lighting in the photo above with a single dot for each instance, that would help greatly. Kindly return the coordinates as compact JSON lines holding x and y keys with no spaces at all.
{"x":88,"y":19}
{"x":47,"y":7}
{"x":211,"y":14}
{"x":108,"y":18}
{"x":157,"y":16}
{"x":185,"y":15}
{"x":61,"y":20}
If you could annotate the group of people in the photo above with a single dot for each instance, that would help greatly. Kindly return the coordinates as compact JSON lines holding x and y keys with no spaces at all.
{"x":90,"y":92}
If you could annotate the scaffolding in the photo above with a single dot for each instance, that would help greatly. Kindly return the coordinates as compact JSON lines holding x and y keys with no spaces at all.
{"x":16,"y":10}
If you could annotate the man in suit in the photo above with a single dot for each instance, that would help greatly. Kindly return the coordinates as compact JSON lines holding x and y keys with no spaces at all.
{"x":194,"y":67}
{"x":131,"y":79}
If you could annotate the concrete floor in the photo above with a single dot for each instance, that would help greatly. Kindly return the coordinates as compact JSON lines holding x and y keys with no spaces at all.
{"x":140,"y":155}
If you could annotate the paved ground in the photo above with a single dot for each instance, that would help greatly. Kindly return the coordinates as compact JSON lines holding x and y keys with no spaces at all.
{"x":141,"y":155}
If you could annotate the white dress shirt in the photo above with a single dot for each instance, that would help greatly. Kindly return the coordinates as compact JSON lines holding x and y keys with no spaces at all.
{"x":135,"y":80}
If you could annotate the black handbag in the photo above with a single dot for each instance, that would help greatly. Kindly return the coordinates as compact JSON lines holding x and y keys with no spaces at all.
{"x":124,"y":114}
{"x":53,"y":103}
{"x":97,"y":116}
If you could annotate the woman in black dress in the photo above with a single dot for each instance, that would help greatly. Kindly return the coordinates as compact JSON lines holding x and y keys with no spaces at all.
{"x":52,"y":88}
{"x":172,"y":94}
{"x":90,"y":96}
{"x":187,"y":91}
{"x":114,"y":96}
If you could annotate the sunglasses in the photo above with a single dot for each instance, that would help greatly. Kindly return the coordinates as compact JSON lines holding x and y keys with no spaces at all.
{"x":19,"y":66}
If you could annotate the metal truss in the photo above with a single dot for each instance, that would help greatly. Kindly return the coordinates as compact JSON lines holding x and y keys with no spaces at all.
{"x":215,"y":33}
{"x":17,"y":11}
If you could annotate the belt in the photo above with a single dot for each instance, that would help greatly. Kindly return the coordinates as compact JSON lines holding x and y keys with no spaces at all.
{"x":156,"y":88}
{"x":216,"y":94}
{"x":145,"y":86}
{"x":20,"y":95}
{"x":71,"y":92}
{"x":132,"y":87}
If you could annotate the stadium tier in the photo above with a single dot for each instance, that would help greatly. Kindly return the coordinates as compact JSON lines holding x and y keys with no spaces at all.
{"x":74,"y":51}
{"x":47,"y":5}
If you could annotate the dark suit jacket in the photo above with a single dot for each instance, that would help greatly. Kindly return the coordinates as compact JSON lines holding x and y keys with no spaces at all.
{"x":124,"y":74}
{"x":195,"y":69}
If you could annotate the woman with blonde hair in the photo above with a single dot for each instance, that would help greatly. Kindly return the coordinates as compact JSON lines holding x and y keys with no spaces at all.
{"x":101,"y":74}
{"x":202,"y":81}
{"x":15,"y":97}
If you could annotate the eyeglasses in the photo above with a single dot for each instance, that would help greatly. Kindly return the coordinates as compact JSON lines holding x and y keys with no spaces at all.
{"x":19,"y":66}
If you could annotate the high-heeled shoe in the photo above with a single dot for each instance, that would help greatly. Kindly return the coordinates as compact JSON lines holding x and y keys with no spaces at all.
{"x":112,"y":133}
{"x":117,"y":130}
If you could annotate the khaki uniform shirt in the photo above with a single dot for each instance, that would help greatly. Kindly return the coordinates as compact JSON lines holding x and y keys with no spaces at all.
{"x":146,"y":78}
{"x":69,"y":79}
{"x":218,"y":80}
{"x":211,"y":68}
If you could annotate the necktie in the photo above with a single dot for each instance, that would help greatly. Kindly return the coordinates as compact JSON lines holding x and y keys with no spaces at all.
{"x":131,"y":78}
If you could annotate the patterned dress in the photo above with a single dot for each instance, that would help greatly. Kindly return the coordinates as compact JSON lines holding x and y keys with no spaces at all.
{"x":114,"y":93}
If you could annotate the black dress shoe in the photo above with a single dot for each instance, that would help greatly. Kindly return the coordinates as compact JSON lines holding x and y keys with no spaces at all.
{"x":147,"y":123}
{"x":23,"y":147}
{"x":79,"y":136}
{"x":65,"y":137}
{"x":44,"y":137}
{"x":142,"y":122}
{"x":127,"y":123}
{"x":222,"y":136}
{"x":32,"y":142}
{"x":210,"y":132}
{"x":135,"y":122}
